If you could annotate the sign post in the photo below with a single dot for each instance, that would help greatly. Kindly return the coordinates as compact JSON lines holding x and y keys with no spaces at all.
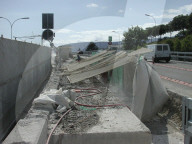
{"x":48,"y":24}
{"x":110,"y":38}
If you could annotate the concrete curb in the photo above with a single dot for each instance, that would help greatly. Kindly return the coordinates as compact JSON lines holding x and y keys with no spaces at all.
{"x":32,"y":129}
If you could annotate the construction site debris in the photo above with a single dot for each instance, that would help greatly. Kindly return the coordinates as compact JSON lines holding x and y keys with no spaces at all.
{"x":79,"y":121}
{"x":44,"y":102}
{"x":50,"y":99}
{"x":71,"y":94}
{"x":61,"y":109}
{"x":103,"y":62}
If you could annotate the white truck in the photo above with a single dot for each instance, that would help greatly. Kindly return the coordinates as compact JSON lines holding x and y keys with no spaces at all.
{"x":159,"y":52}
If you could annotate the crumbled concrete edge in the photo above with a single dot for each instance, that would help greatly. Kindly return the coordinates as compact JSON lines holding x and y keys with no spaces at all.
{"x":173,"y":94}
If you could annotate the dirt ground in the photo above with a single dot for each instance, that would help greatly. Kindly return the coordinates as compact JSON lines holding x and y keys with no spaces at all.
{"x":81,"y":119}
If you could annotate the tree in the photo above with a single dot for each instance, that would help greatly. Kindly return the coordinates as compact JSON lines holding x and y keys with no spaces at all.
{"x":169,"y":28}
{"x":128,"y":41}
{"x":190,"y":23}
{"x":162,"y":30}
{"x":135,"y":37}
{"x":155,"y":31}
{"x":177,"y":45}
{"x":186,"y":44}
{"x":92,"y":46}
{"x":179,"y":23}
{"x":170,"y":42}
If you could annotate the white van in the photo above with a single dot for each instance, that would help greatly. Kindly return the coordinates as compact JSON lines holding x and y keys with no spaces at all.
{"x":159,"y":52}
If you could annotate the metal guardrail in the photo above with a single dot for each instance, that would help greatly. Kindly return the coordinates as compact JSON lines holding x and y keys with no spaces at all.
{"x":183,"y":56}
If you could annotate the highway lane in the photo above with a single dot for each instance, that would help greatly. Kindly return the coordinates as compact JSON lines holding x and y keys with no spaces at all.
{"x":176,"y":76}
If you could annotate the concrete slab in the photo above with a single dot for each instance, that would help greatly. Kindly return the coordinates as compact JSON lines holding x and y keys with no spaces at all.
{"x":115,"y":126}
{"x":32,"y":130}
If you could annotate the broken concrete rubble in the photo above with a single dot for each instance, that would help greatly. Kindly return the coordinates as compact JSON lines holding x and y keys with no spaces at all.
{"x":99,"y":65}
{"x":61,"y":109}
{"x":49,"y":99}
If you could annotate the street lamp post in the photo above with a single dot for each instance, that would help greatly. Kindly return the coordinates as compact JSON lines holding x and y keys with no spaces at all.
{"x":11,"y":24}
{"x":154,"y":21}
{"x":119,"y":37}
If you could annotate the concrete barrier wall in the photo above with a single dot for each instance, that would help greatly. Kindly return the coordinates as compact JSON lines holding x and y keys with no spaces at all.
{"x":23,"y":69}
{"x":140,"y":88}
{"x":149,"y":93}
{"x":64,"y":52}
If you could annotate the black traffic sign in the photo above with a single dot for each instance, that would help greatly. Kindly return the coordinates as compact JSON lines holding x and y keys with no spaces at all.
{"x":47,"y":21}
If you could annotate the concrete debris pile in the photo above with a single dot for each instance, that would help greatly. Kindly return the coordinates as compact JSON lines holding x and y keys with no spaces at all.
{"x":79,"y":121}
{"x":95,"y":117}
{"x":147,"y":94}
{"x":55,"y":100}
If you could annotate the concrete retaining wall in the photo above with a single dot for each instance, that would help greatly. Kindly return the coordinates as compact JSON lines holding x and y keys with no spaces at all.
{"x":64,"y":52}
{"x":23,"y":69}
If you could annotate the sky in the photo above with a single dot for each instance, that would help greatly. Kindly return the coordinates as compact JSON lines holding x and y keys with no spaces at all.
{"x":86,"y":20}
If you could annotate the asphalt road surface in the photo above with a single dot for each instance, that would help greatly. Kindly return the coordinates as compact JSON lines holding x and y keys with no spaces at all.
{"x":176,"y":76}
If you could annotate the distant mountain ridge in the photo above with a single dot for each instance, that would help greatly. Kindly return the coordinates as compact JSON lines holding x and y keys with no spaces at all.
{"x":83,"y":45}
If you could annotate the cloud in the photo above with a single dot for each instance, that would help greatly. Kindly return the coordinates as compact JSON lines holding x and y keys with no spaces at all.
{"x":181,"y":10}
{"x":171,"y":13}
{"x":64,"y":31}
{"x":88,"y":36}
{"x":166,"y":16}
{"x":146,"y":25}
{"x":75,"y":36}
{"x":92,"y":5}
